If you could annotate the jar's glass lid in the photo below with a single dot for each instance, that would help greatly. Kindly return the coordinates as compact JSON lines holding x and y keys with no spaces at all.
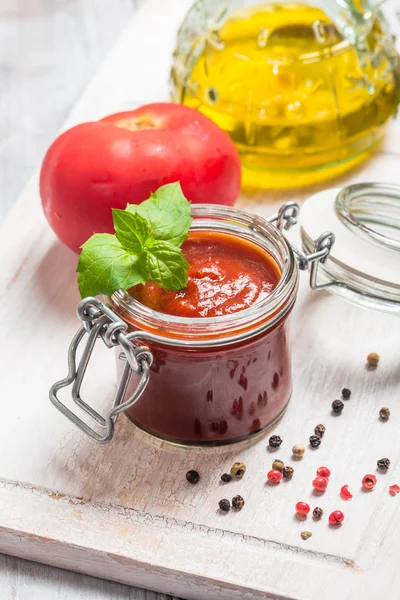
{"x":364,"y":263}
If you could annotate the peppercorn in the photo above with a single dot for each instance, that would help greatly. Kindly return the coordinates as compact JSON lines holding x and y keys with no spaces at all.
{"x":384,"y":414}
{"x":287,"y":472}
{"x":346,"y":393}
{"x":224,"y":505}
{"x":369,"y":481}
{"x":315,"y":441}
{"x":193,"y":476}
{"x":298,"y":450}
{"x":305,"y":535}
{"x":238,"y":470}
{"x":278,"y":465}
{"x":237,"y":502}
{"x":274,"y":476}
{"x":336,"y":518}
{"x":337,"y":406}
{"x":383,"y":463}
{"x":317,"y":513}
{"x":319,"y":430}
{"x":320,"y":484}
{"x":302,"y":509}
{"x":275,"y":441}
{"x":373,"y":359}
{"x":226,"y":477}
{"x":345,"y":492}
{"x":324,"y":472}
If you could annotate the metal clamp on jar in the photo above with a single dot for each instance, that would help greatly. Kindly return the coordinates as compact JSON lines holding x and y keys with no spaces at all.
{"x":364,"y":266}
{"x":212,"y":381}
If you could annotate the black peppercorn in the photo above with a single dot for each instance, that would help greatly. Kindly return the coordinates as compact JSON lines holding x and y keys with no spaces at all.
{"x":346,"y":393}
{"x":224,"y":505}
{"x":275,"y":441}
{"x":383,"y":464}
{"x":226,"y":477}
{"x":237,"y":502}
{"x":337,"y":406}
{"x":193,"y":477}
{"x":315,"y":441}
{"x":317,"y":513}
{"x":319,"y":430}
{"x":287,"y":472}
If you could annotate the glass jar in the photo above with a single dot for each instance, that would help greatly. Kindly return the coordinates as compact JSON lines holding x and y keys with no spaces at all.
{"x":363,"y":266}
{"x":222,"y":379}
{"x":219,"y":379}
{"x":302,"y":88}
{"x":198,"y":380}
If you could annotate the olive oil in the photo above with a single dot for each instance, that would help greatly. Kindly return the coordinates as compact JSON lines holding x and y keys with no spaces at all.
{"x":300,"y":102}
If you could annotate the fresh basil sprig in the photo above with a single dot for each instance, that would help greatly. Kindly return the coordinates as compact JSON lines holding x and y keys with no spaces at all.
{"x":145,"y":247}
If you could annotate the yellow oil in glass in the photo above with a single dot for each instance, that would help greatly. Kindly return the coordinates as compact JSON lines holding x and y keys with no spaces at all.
{"x":299,"y":101}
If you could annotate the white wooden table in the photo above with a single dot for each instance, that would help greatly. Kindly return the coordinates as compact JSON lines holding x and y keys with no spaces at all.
{"x":138,"y":521}
{"x":49,"y":52}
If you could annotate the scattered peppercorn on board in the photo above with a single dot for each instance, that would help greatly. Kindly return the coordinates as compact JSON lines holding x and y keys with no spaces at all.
{"x":126,"y":511}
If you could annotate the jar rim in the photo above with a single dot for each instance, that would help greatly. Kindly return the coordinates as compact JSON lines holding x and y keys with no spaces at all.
{"x":358,"y":268}
{"x":372,"y":211}
{"x":242,"y":324}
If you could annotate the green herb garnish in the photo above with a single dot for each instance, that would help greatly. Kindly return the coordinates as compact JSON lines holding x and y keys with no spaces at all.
{"x":145,"y":247}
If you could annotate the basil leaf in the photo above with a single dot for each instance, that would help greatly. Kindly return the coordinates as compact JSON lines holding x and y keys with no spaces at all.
{"x":104,"y":266}
{"x":131,"y":229}
{"x":167,"y":213}
{"x":165,"y":264}
{"x":146,"y":246}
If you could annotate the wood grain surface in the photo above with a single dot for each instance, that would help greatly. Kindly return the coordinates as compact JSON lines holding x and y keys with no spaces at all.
{"x":48,"y":52}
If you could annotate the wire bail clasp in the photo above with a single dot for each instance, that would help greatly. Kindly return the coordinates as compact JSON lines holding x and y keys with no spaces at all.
{"x":99,"y":321}
{"x":284,"y":219}
{"x":286,"y":216}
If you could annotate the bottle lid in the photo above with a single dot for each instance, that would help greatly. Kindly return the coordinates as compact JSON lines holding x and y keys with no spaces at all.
{"x":364,"y":263}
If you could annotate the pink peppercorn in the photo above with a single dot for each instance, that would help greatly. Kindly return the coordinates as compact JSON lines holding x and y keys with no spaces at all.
{"x":274,"y":476}
{"x":302,"y":508}
{"x":336,"y":517}
{"x":345,"y":493}
{"x":323,"y":472}
{"x":320,"y":484}
{"x":369,"y":481}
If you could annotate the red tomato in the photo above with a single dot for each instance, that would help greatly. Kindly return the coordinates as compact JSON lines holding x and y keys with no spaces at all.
{"x":121,"y":159}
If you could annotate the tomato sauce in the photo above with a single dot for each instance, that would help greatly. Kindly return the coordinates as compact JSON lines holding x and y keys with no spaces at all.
{"x":221,"y":393}
{"x":226,"y":274}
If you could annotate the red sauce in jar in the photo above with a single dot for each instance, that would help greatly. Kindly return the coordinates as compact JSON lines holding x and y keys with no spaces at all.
{"x":226,"y":274}
{"x":221,"y":393}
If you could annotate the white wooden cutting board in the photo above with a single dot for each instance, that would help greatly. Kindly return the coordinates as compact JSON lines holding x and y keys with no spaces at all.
{"x":125,"y":511}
